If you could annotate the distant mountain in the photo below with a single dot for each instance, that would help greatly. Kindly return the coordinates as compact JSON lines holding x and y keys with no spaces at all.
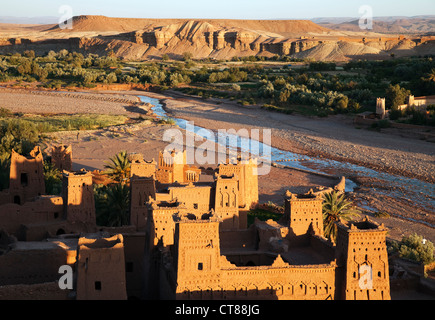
{"x":423,"y":24}
{"x":142,"y":39}
{"x":29,"y":20}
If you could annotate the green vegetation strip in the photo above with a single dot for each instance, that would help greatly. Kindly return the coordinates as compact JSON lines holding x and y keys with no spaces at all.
{"x":53,"y":123}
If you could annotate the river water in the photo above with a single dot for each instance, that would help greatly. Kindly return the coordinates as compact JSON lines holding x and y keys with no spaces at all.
{"x":404,"y":188}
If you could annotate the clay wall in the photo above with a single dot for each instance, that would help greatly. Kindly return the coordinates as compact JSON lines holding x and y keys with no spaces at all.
{"x":78,"y":198}
{"x":162,"y":225}
{"x":231,"y":240}
{"x":196,"y":199}
{"x":43,"y":209}
{"x":142,"y":168}
{"x":39,"y":291}
{"x":100,"y":269}
{"x":246,"y":173}
{"x":26,"y":180}
{"x":31,"y":262}
{"x":134,"y":248}
{"x":323,"y":245}
{"x":141,"y":189}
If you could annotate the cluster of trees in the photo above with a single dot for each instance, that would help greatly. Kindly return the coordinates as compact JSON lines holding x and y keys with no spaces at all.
{"x":414,"y":74}
{"x":74,"y":69}
{"x":263,"y":58}
{"x":322,"y":66}
{"x":62,"y":65}
{"x":232,"y":75}
{"x":282,"y":93}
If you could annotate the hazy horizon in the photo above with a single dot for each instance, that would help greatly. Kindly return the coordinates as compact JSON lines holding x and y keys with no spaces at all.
{"x":227,"y":9}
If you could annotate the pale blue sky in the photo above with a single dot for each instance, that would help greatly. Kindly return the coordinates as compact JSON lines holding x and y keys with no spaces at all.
{"x":226,"y":9}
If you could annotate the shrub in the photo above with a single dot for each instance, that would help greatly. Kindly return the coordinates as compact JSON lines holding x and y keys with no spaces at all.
{"x":381,"y":124}
{"x":381,"y":214}
{"x":415,"y":248}
{"x":167,"y":120}
{"x":396,"y":113}
{"x":396,"y":96}
{"x":5,"y":113}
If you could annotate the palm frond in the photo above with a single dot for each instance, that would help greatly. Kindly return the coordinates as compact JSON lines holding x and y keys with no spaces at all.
{"x":335,"y":208}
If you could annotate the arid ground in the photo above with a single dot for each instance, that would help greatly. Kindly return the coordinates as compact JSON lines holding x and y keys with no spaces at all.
{"x":333,"y":138}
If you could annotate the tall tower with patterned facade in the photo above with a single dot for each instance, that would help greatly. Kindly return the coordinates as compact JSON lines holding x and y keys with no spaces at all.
{"x":247,"y":174}
{"x":304,"y":215}
{"x":198,"y":257}
{"x":226,"y":205}
{"x":362,"y":258}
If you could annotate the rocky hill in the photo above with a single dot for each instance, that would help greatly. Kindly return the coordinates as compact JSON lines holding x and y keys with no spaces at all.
{"x":140,"y":39}
{"x":102,"y":24}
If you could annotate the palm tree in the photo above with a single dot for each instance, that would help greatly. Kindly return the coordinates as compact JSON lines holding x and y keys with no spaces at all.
{"x":5,"y":163}
{"x":431,"y":76}
{"x":335,"y":208}
{"x":52,"y":179}
{"x":118,"y":167}
{"x":118,"y":203}
{"x":112,"y":204}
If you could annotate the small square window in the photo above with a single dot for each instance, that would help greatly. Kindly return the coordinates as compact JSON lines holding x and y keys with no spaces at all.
{"x":97,"y":285}
{"x":200,"y":267}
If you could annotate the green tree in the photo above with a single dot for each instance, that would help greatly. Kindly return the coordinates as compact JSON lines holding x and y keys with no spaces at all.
{"x":118,"y":167}
{"x":111,"y":77}
{"x":5,"y":163}
{"x":187,"y":56}
{"x":430,"y":77}
{"x":396,"y":95}
{"x":17,"y":134}
{"x":52,"y":179}
{"x":342,"y":103}
{"x":414,"y":247}
{"x":112,"y":204}
{"x":335,"y":208}
{"x":29,"y":54}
